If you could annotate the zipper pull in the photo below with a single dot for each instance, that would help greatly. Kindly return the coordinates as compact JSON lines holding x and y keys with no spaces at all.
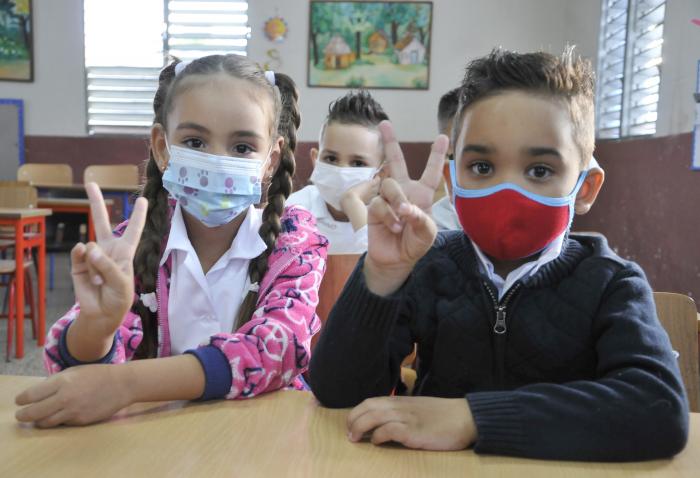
{"x":500,"y":325}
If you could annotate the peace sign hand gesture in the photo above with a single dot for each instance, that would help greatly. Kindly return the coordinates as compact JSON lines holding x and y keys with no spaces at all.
{"x":400,"y":227}
{"x":103,"y":272}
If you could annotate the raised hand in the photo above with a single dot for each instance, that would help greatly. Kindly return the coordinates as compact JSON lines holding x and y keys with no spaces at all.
{"x":400,"y":227}
{"x":103,"y":276}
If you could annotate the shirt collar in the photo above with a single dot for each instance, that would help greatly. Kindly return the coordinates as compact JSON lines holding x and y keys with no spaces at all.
{"x":246,"y":245}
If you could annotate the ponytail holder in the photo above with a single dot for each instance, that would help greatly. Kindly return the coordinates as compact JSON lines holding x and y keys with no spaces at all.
{"x":149,"y":300}
{"x":181,"y":66}
{"x":270,"y":77}
{"x":254,"y":287}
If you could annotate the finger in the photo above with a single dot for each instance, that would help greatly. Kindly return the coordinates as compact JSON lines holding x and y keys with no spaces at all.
{"x":382,"y":403}
{"x":98,"y":210}
{"x":103,"y":265}
{"x":392,"y":193}
{"x":93,"y":250}
{"x":379,"y":212}
{"x":419,"y":221}
{"x":77,"y":259}
{"x":394,"y":160}
{"x":432,"y":174}
{"x":133,"y":231}
{"x":371,"y":420}
{"x":58,"y":418}
{"x":40,"y":410}
{"x":37,"y":393}
{"x":392,"y":431}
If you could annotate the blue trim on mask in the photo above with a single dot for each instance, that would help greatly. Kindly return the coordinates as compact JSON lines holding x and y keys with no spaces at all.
{"x":568,"y":200}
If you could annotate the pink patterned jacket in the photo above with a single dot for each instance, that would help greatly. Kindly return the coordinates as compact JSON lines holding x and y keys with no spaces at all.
{"x":267,"y":353}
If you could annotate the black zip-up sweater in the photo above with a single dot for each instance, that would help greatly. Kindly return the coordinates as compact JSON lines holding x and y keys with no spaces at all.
{"x":572,"y":364}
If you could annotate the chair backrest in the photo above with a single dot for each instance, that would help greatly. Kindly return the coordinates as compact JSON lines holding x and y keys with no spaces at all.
{"x":112,"y":174}
{"x":46,"y":174}
{"x":679,"y":316}
{"x":14,"y":196}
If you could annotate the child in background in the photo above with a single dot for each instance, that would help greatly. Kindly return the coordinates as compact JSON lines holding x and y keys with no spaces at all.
{"x":345,"y":175}
{"x":531,"y":342}
{"x":215,"y":295}
{"x":443,"y":212}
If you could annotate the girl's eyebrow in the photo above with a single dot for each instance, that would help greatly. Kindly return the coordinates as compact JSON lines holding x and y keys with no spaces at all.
{"x":194,"y":126}
{"x":246,"y":134}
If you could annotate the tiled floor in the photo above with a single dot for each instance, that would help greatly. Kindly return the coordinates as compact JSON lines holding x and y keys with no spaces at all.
{"x":58,"y":302}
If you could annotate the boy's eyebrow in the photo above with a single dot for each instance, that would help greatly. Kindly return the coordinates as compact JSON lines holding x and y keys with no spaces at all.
{"x":544,"y":151}
{"x":477,"y":148}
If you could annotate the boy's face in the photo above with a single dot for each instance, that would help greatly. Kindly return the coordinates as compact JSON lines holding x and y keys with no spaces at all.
{"x":349,"y":146}
{"x":519,"y":138}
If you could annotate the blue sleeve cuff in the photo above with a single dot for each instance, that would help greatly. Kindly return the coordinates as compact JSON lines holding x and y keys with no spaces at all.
{"x":70,"y":361}
{"x":217,"y":372}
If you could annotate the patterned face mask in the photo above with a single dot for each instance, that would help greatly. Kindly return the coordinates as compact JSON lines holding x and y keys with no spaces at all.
{"x":214,"y":189}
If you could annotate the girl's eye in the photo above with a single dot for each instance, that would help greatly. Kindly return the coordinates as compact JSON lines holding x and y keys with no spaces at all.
{"x":194,"y":143}
{"x":243,"y":149}
{"x":481,"y":168}
{"x":539,"y":172}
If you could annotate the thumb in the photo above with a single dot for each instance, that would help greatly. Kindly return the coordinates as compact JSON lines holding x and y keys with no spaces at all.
{"x":421,"y":224}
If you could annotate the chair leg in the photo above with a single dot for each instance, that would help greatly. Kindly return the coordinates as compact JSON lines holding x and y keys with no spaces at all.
{"x":10,"y":319}
{"x":52,"y":268}
{"x":29,"y":298}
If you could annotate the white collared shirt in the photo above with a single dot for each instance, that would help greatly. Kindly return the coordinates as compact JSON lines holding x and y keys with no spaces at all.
{"x":528,"y":269}
{"x":445,"y":216}
{"x":342,"y":238}
{"x":200,"y":305}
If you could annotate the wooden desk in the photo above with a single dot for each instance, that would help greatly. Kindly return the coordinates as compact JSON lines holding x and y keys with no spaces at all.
{"x":123,"y":191}
{"x":19,"y":219}
{"x":276,"y":435}
{"x":78,"y":206}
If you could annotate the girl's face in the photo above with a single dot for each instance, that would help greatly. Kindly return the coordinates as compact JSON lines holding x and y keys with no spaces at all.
{"x":349,"y":146}
{"x":220,"y":115}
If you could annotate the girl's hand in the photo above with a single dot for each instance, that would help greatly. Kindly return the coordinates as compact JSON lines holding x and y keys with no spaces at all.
{"x":427,"y":423}
{"x":400,"y":227}
{"x":103,"y":279}
{"x":76,"y":396}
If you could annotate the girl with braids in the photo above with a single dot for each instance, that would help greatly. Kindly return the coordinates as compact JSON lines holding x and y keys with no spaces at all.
{"x":345,"y":176}
{"x":216,"y":296}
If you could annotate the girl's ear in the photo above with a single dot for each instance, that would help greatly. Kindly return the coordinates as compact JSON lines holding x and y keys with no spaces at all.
{"x":159,"y":146}
{"x":275,"y":156}
{"x":589,"y":190}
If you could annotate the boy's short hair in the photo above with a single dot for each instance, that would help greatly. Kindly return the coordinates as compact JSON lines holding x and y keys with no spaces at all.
{"x":568,"y":77}
{"x":447,"y":109}
{"x":355,"y":108}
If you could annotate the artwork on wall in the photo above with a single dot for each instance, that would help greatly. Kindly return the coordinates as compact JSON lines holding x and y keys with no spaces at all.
{"x":696,"y":128}
{"x":370,"y":44}
{"x":276,"y":29}
{"x":16,"y":55}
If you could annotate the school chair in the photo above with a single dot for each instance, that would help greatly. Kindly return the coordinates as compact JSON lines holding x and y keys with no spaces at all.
{"x":338,"y":270}
{"x":121,"y":178}
{"x":46,"y":174}
{"x":679,"y":316}
{"x":7,"y":272}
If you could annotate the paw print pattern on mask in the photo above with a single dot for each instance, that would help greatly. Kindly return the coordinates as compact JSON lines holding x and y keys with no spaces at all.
{"x":229,"y":185}
{"x":182,"y":177}
{"x":190,"y":191}
{"x":203,"y":178}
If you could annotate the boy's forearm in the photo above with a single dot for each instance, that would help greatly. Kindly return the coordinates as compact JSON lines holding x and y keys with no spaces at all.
{"x":163,"y":379}
{"x":355,"y":210}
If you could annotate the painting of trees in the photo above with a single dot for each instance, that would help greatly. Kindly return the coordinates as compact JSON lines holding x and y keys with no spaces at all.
{"x":341,"y":35}
{"x":16,"y":40}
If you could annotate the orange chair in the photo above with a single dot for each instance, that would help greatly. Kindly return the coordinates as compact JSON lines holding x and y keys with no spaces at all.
{"x":7,"y":270}
{"x":46,"y":174}
{"x":120,"y":178}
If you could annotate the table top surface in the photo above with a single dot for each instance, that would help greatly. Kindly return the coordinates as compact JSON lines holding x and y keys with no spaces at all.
{"x":285,"y":433}
{"x":80,"y":187}
{"x":18,"y":213}
{"x":49,"y":202}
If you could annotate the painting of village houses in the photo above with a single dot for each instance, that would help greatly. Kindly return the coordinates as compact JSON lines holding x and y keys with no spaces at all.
{"x":16,"y":40}
{"x":370,"y":44}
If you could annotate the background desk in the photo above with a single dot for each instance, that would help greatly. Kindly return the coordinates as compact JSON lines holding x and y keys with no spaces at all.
{"x":276,"y":435}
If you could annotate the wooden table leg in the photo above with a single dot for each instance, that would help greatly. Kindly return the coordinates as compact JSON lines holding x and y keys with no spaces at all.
{"x":19,"y":288}
{"x":41,"y":282}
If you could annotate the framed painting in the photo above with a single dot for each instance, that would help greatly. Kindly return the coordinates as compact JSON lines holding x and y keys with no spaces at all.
{"x":369,"y":44}
{"x":16,"y":53}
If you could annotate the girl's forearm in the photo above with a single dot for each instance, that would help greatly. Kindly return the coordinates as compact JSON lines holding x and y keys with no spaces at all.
{"x":87,"y":342}
{"x":161,"y":379}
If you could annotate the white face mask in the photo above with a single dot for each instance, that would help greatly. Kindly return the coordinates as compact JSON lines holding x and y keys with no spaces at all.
{"x":333,"y":181}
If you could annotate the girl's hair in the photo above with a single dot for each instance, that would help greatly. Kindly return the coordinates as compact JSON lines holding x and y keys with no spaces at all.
{"x":356,"y":107}
{"x":284,"y":121}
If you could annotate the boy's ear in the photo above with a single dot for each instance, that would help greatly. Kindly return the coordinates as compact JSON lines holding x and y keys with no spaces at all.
{"x":159,"y":146}
{"x":314,"y":156}
{"x":589,"y":190}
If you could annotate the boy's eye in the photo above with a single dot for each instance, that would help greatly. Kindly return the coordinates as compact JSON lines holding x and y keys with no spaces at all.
{"x":330,"y":159}
{"x":358,"y":164}
{"x":242,"y":149}
{"x":194,"y":143}
{"x":539,"y":172}
{"x":481,"y":168}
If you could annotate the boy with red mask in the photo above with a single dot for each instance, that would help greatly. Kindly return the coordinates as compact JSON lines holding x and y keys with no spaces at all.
{"x":531,"y":341}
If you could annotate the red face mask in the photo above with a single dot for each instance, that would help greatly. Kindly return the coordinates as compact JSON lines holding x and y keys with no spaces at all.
{"x":508,"y":222}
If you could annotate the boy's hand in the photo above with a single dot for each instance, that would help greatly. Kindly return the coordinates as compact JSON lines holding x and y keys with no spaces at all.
{"x":103,"y":278}
{"x":427,"y":423}
{"x":400,"y":227}
{"x":365,"y":191}
{"x":76,"y":396}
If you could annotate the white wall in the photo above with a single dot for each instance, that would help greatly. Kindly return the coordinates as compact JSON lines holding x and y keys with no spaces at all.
{"x":462,"y":30}
{"x":54,"y":104}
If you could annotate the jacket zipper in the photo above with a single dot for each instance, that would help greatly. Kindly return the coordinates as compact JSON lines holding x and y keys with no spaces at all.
{"x":500,"y":328}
